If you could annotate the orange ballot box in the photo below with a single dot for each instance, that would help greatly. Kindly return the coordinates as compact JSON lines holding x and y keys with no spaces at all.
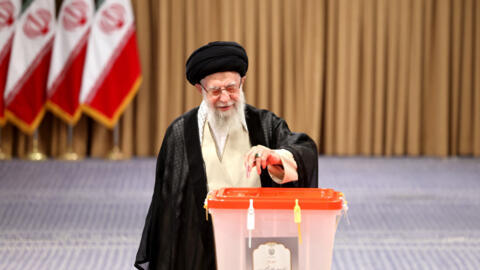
{"x":274,"y":228}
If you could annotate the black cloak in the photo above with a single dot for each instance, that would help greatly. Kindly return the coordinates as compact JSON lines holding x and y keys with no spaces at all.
{"x":176,"y":235}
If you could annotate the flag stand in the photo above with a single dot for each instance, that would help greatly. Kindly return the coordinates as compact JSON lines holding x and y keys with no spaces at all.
{"x":70,"y":155}
{"x":36,"y":155}
{"x":115,"y":153}
{"x":3,"y":155}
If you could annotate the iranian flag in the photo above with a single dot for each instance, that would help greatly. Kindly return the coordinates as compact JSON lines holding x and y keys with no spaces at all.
{"x":112,"y":71}
{"x":25,"y":93}
{"x":9,"y":10}
{"x":68,"y":59}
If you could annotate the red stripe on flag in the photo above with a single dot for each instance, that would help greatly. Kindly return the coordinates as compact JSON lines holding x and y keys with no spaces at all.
{"x":64,"y":95}
{"x":4,"y":60}
{"x":26,"y":108}
{"x":118,"y":86}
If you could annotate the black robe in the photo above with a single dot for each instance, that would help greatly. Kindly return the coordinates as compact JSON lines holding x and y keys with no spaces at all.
{"x":176,"y":235}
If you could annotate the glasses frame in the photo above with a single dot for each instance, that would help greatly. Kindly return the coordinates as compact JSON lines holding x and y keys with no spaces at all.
{"x":217,"y":92}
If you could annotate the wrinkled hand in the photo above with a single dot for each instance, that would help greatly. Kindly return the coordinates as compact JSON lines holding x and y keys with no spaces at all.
{"x":260,"y":157}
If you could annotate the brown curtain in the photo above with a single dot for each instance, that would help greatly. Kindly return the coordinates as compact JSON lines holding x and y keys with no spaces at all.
{"x":362,"y":77}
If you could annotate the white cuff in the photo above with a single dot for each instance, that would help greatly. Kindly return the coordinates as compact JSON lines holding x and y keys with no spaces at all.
{"x":289,"y":167}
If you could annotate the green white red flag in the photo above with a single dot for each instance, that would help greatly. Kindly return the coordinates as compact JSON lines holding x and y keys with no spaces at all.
{"x":68,"y":58}
{"x":112,"y":71}
{"x":25,"y":93}
{"x":9,"y":10}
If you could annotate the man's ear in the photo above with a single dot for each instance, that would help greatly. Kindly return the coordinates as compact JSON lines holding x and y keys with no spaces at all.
{"x":243,"y":79}
{"x":199,"y":87}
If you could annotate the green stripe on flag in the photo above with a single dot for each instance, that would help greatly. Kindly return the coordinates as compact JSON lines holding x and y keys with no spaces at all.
{"x":26,"y":4}
{"x":98,"y":3}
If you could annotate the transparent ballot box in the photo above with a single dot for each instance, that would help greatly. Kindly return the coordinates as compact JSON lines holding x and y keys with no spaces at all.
{"x":274,"y":228}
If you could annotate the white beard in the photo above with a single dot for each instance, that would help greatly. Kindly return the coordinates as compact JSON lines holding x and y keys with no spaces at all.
{"x":222,"y":121}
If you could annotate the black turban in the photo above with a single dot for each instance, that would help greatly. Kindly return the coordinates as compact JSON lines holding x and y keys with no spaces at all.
{"x":215,"y":57}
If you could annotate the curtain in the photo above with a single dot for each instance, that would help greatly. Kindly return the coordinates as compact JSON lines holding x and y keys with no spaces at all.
{"x":361,"y":77}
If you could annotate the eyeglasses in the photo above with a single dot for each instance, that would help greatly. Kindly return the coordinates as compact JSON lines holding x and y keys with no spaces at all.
{"x":216,"y":92}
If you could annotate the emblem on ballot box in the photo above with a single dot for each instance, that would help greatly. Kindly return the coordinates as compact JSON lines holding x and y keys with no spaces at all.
{"x":272,"y":256}
{"x":273,"y":253}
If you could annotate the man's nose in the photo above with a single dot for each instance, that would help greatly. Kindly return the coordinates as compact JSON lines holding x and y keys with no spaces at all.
{"x":224,"y":96}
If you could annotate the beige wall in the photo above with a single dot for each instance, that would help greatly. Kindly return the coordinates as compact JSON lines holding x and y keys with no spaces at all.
{"x":366,"y":77}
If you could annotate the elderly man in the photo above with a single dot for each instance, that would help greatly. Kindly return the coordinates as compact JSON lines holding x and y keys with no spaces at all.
{"x":221,"y":143}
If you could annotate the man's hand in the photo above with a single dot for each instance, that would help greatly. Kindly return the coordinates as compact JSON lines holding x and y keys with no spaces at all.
{"x":260,"y":157}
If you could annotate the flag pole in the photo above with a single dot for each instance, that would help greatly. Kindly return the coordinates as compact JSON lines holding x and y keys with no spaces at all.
{"x":36,"y":155}
{"x":70,"y":154}
{"x":116,"y":153}
{"x":3,"y":155}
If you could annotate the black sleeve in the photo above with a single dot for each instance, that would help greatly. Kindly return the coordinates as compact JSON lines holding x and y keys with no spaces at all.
{"x":304,"y":151}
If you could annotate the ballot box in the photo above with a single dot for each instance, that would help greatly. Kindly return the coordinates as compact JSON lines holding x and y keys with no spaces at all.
{"x":274,"y":228}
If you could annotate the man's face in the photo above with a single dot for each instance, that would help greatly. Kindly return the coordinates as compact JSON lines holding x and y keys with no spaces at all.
{"x":222,"y":91}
